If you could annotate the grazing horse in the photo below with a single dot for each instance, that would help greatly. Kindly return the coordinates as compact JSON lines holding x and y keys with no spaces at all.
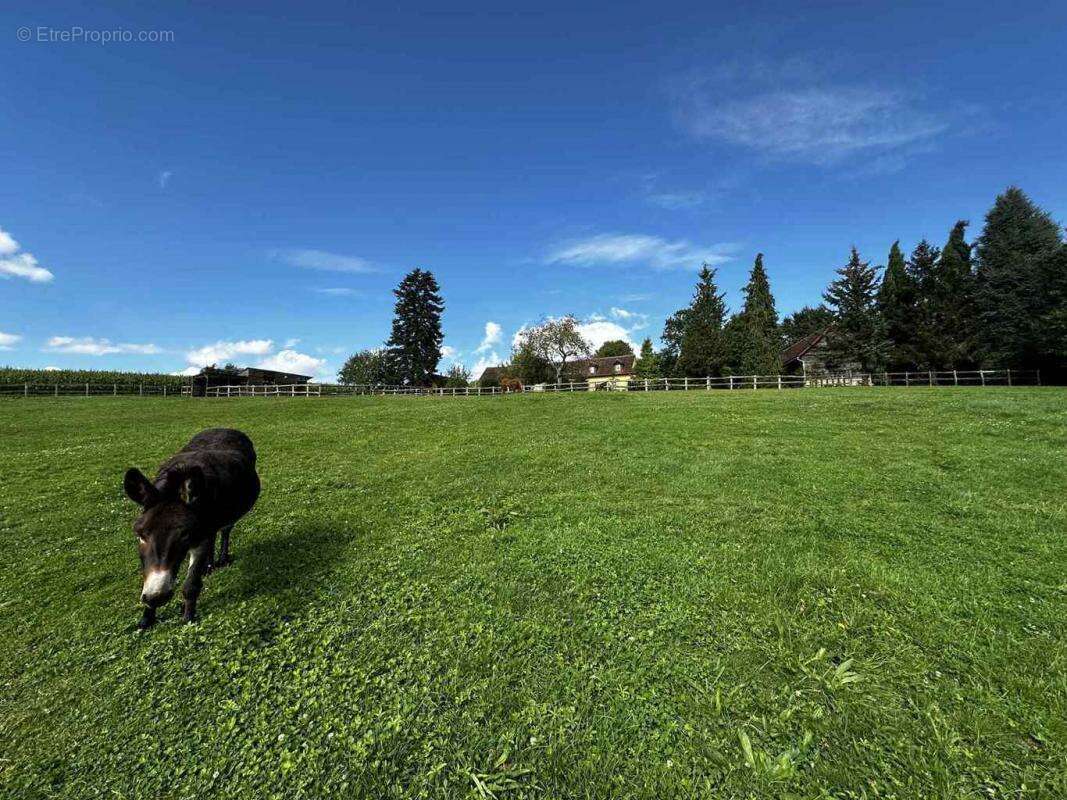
{"x":511,"y":384}
{"x":199,"y":492}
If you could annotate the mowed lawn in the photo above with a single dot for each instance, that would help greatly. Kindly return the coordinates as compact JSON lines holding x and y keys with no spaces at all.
{"x":842,"y":593}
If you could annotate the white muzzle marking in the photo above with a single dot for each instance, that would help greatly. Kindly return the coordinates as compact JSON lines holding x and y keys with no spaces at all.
{"x":157,"y":583}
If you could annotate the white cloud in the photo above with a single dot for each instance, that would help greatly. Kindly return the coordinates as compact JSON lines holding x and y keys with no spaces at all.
{"x":336,"y":291}
{"x":447,"y":351}
{"x":322,"y":260}
{"x":490,"y":360}
{"x":7,"y":244}
{"x":164,"y":178}
{"x":291,"y":343}
{"x":90,"y":346}
{"x":492,"y":337}
{"x":221,"y":352}
{"x":639,"y":248}
{"x":600,"y":331}
{"x":9,"y":340}
{"x":292,"y":361}
{"x":820,"y":124}
{"x":14,"y":264}
{"x":188,"y":371}
{"x":51,"y":369}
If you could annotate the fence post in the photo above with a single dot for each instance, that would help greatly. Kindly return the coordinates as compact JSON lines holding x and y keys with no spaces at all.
{"x":164,"y":390}
{"x":930,"y":376}
{"x":1037,"y":376}
{"x":114,"y":389}
{"x":955,"y":378}
{"x":907,"y":379}
{"x":86,"y":390}
{"x":685,"y":384}
{"x":1009,"y":377}
{"x":779,"y":381}
{"x":753,"y":381}
{"x":666,"y":385}
{"x":731,"y":381}
{"x":57,"y":390}
{"x":981,"y":374}
{"x":140,"y":389}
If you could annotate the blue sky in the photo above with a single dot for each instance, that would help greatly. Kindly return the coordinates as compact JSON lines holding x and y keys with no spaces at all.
{"x":252,"y":190}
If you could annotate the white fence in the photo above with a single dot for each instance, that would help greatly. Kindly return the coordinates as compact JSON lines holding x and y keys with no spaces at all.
{"x":981,"y":377}
{"x":89,"y":390}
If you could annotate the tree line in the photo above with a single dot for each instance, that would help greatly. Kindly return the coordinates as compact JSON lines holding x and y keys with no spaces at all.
{"x":997,"y":302}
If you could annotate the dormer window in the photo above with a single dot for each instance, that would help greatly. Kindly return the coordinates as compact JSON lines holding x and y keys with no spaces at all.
{"x":618,"y":367}
{"x":592,"y":370}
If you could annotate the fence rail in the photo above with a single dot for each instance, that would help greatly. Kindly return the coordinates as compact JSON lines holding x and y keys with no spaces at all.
{"x":87,"y":390}
{"x":939,"y":378}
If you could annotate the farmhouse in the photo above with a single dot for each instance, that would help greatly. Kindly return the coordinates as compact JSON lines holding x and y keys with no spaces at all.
{"x":605,"y":372}
{"x":246,"y":376}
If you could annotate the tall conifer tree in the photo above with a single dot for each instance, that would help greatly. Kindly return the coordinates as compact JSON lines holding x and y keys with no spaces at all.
{"x":897,"y":299}
{"x":703,"y":346}
{"x":951,"y":304}
{"x":755,"y":345}
{"x":1017,"y":244}
{"x":415,"y":344}
{"x":858,"y":337}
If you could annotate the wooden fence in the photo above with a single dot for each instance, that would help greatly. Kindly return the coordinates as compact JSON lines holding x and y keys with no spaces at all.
{"x":941,"y":378}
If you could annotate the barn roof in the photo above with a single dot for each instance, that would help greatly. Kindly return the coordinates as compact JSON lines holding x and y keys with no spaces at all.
{"x":802,"y":347}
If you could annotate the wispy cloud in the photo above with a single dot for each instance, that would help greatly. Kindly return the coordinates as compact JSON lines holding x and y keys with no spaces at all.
{"x":9,"y":340}
{"x":493,"y":333}
{"x":90,"y":346}
{"x":16,"y":264}
{"x":449,"y":352}
{"x":322,"y":260}
{"x":677,"y":201}
{"x":639,"y":249}
{"x":164,"y":178}
{"x":336,"y":291}
{"x":795,"y":110}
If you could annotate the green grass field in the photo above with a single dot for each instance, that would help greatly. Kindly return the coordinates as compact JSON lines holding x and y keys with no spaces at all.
{"x":820,"y":593}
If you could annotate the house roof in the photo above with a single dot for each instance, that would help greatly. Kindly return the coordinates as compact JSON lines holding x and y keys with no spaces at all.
{"x":256,"y":374}
{"x":802,"y":347}
{"x":491,"y":374}
{"x":604,"y":366}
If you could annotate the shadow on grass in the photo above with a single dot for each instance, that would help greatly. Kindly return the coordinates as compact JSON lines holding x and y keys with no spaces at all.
{"x":290,"y":567}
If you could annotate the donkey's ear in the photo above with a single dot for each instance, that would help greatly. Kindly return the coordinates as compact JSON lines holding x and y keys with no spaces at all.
{"x":139,"y":488}
{"x":192,"y":487}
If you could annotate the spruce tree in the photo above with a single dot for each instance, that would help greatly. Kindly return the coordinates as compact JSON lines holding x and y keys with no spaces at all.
{"x":806,"y":321}
{"x":1017,"y":244}
{"x":858,"y":338}
{"x":703,"y":346}
{"x":897,"y":299}
{"x":922,"y":266}
{"x":951,"y":304}
{"x":753,"y":335}
{"x":647,"y":364}
{"x":415,"y":343}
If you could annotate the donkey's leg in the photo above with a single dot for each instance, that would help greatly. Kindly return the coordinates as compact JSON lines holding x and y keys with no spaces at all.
{"x":224,"y":548}
{"x":199,"y":560}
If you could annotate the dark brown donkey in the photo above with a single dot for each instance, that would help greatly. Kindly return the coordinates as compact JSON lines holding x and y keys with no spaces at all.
{"x":199,"y":492}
